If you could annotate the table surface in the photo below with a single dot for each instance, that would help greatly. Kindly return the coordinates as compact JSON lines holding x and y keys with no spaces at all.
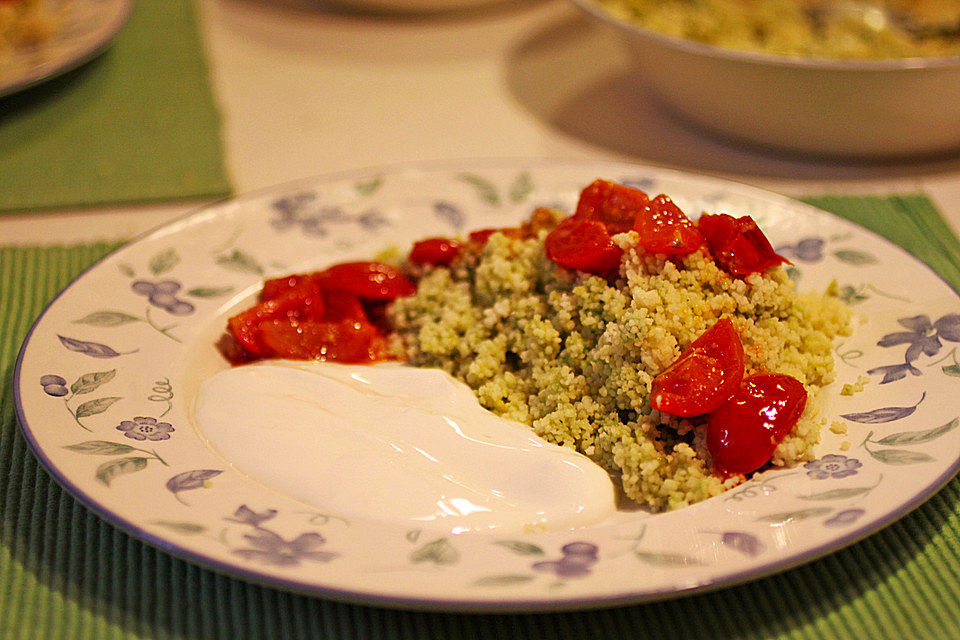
{"x":307,"y":89}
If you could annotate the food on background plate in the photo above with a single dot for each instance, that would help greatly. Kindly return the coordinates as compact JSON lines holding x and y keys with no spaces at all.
{"x":675,"y":354}
{"x":24,"y":23}
{"x":825,"y":28}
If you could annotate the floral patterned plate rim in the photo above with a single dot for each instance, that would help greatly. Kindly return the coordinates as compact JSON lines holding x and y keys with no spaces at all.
{"x":105,"y":380}
{"x":83,"y":29}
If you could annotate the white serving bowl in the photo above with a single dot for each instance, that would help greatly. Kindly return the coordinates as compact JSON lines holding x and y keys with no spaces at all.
{"x":820,"y":106}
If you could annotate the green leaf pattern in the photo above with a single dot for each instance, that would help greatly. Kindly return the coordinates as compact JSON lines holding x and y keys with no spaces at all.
{"x":89,"y":382}
{"x":237,"y":260}
{"x":855,"y":257}
{"x":101,"y":448}
{"x":107,"y":319}
{"x":164,"y":261}
{"x":902,"y":457}
{"x":93,"y":407}
{"x":439,"y":552}
{"x":107,"y":471}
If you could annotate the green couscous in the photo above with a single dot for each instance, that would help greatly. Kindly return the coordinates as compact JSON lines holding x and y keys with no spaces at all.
{"x":574,"y":355}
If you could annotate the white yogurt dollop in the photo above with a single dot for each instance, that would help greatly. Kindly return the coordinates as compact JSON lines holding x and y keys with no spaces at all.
{"x":395,"y":443}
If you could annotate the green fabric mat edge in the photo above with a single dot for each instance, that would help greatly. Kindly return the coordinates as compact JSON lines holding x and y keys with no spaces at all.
{"x":65,"y":573}
{"x":136,"y":124}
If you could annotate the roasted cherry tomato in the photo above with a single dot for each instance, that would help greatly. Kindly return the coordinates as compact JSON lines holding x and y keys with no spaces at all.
{"x":480,"y":236}
{"x":664,"y":228}
{"x":737,"y":244}
{"x":705,"y":375}
{"x":435,"y":251}
{"x":615,"y":205}
{"x":331,"y":315}
{"x":584,"y":245}
{"x":371,"y":280}
{"x":344,"y":341}
{"x":276,"y":287}
{"x":743,"y":432}
{"x":302,"y":301}
{"x":341,"y":305}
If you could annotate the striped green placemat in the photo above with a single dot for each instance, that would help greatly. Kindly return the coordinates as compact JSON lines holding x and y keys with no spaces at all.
{"x":67,"y":574}
{"x":136,"y":124}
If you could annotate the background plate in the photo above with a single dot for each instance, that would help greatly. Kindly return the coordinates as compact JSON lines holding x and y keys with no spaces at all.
{"x":85,"y":28}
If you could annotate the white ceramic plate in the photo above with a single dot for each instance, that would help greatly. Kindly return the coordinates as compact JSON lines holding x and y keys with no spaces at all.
{"x":107,"y":353}
{"x":85,"y":28}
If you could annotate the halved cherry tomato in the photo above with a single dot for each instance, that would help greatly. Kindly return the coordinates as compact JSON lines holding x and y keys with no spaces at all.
{"x":344,"y":341}
{"x":584,"y":245}
{"x":318,"y":316}
{"x":743,"y":432}
{"x":371,"y":280}
{"x":615,"y":205}
{"x":705,"y":375}
{"x":302,"y":301}
{"x":435,"y":251}
{"x":480,"y":236}
{"x":664,"y":228}
{"x":737,"y":244}
{"x":341,"y":305}
{"x":276,"y":287}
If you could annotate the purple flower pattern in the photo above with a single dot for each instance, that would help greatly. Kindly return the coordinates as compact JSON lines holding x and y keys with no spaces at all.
{"x":161,"y":294}
{"x":302,"y":211}
{"x":145,"y":428}
{"x":246,"y":515}
{"x":832,"y":465}
{"x":575,"y":562}
{"x":806,"y":250}
{"x":54,"y":385}
{"x":922,"y":337}
{"x":269,"y":547}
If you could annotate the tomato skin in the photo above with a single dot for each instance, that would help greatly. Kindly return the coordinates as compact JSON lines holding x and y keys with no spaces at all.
{"x":276,"y":287}
{"x":320,"y":316}
{"x":299,"y":301}
{"x":343,"y":341}
{"x":705,"y":375}
{"x":584,"y":245}
{"x":737,"y":244}
{"x":743,"y":432}
{"x":615,"y":205}
{"x":480,"y":236}
{"x":371,"y":280}
{"x":341,"y":305}
{"x":664,"y":228}
{"x":435,"y":251}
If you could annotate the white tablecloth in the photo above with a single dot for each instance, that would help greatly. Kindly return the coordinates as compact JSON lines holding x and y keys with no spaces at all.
{"x":307,"y":89}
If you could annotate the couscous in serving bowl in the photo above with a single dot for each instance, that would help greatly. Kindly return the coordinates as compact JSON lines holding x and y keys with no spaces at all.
{"x":871,"y":107}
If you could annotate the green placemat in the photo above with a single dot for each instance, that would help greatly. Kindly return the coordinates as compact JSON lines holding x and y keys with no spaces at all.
{"x":136,"y":124}
{"x":67,"y":574}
